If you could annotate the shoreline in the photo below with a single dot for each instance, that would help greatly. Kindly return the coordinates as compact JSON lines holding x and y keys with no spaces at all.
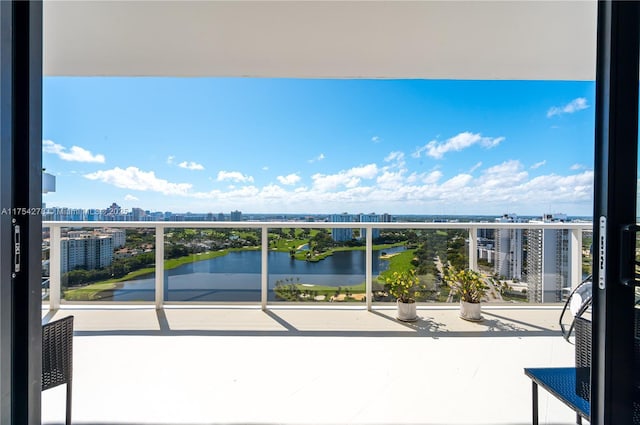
{"x":93,"y":290}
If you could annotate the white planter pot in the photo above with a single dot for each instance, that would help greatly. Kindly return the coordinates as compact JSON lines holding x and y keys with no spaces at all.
{"x":470,"y":311}
{"x":407,"y":312}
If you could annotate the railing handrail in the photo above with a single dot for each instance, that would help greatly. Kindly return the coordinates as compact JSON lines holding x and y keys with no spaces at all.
{"x":322,"y":224}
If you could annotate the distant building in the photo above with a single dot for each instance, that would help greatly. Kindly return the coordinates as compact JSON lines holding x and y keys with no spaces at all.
{"x":220,"y":216}
{"x":342,"y":234}
{"x":118,"y":236}
{"x":88,"y":252}
{"x":369,"y":218}
{"x":236,"y":215}
{"x":138,"y":214}
{"x":508,"y":248}
{"x":485,"y":253}
{"x":486,"y":233}
{"x":547,"y":270}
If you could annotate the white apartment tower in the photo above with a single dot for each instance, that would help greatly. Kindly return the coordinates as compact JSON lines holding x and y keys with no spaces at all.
{"x":342,"y":234}
{"x":370,"y":218}
{"x":547,"y":270}
{"x":508,"y":248}
{"x":90,"y":252}
{"x":119,"y":236}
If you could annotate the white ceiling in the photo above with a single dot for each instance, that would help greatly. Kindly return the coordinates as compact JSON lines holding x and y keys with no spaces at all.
{"x":322,"y":39}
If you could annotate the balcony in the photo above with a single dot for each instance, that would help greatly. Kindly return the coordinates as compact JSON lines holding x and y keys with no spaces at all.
{"x":293,"y":365}
{"x":263,"y":362}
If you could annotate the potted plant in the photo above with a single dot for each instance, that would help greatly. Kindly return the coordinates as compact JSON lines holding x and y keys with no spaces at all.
{"x":470,"y":287}
{"x":405,"y":287}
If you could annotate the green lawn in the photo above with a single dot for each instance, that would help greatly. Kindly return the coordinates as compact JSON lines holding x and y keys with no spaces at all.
{"x":400,"y":262}
{"x":321,"y":256}
{"x":303,"y":292}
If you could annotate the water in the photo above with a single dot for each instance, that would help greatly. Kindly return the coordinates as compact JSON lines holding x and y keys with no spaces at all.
{"x":236,"y":276}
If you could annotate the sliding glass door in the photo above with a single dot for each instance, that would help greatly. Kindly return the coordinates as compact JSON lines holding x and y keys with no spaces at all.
{"x":613,"y":388}
{"x":20,"y":202}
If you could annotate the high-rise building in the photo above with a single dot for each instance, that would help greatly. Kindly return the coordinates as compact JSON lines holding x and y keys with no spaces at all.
{"x":370,"y":218}
{"x":118,"y":236}
{"x":138,"y":214}
{"x":547,"y":270}
{"x":342,"y":234}
{"x":236,"y":215}
{"x":508,"y":248}
{"x":88,"y":251}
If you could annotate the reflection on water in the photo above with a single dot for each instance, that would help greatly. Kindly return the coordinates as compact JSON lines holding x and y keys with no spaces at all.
{"x":236,"y":276}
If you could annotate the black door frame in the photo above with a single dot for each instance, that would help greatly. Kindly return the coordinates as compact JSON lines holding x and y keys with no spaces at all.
{"x":615,"y":191}
{"x":20,"y":194}
{"x":20,"y":203}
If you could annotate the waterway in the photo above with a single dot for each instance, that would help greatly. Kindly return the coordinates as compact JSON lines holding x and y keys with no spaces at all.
{"x":236,"y":276}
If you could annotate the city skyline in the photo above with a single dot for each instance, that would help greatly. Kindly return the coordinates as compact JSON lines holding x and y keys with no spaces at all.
{"x":320,"y":146}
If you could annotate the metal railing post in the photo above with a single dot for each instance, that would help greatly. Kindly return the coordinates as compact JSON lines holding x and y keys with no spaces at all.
{"x":473,"y":248}
{"x":264,"y":282}
{"x":575,"y":257}
{"x":55,"y":266}
{"x":159,"y":287}
{"x":369,"y":269}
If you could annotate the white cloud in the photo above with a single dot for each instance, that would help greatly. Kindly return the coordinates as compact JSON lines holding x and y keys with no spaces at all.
{"x":577,"y":167}
{"x":289,"y":180}
{"x":436,"y":149}
{"x":265,"y":168}
{"x":348,"y":178}
{"x":505,"y":174}
{"x":191,"y":165}
{"x":375,"y":139}
{"x":234,"y":176}
{"x":272,"y":191}
{"x":475,"y":167}
{"x":170,"y":159}
{"x":136,"y":179}
{"x":501,"y":187}
{"x":575,"y":105}
{"x":538,"y":164}
{"x":368,"y":171}
{"x":457,"y":182}
{"x":235,"y":194}
{"x":433,"y":177}
{"x":394,"y":156}
{"x":490,"y":189}
{"x":390,"y":179}
{"x":76,"y":153}
{"x":317,"y":158}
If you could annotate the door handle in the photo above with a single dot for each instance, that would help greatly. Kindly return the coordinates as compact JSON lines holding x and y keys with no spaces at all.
{"x":16,"y":248}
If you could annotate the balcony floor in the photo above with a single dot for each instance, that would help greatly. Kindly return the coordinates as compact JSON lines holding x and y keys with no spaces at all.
{"x":308,"y":365}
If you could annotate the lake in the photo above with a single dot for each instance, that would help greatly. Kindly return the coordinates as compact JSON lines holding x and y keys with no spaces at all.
{"x":236,"y":276}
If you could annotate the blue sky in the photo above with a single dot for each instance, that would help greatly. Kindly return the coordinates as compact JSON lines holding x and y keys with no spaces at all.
{"x":320,"y":146}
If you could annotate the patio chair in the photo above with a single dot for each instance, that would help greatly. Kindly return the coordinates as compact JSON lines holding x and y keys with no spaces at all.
{"x":57,"y":357}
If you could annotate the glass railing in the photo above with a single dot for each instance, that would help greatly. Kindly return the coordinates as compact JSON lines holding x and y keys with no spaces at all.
{"x":212,"y":264}
{"x":299,"y":262}
{"x":45,"y":264}
{"x":105,"y":263}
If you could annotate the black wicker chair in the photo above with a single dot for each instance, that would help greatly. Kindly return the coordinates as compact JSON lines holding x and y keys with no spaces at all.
{"x":57,"y":357}
{"x":582,"y":328}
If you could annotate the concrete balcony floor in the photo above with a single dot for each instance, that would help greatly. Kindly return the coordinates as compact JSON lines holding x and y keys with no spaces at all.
{"x":201,"y":365}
